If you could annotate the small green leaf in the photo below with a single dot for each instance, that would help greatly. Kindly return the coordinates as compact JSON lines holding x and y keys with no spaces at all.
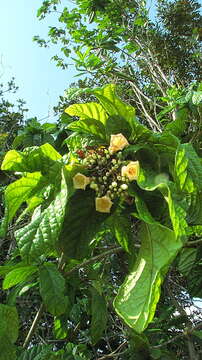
{"x":18,"y":275}
{"x":99,"y":315}
{"x":52,"y":287}
{"x":138,"y":296}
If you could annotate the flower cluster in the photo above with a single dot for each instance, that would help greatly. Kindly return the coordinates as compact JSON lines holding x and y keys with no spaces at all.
{"x":109,"y":176}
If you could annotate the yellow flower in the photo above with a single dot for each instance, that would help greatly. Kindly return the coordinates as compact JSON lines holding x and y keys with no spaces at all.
{"x":117,"y":142}
{"x":103,"y":204}
{"x":80,"y":181}
{"x":131,"y":171}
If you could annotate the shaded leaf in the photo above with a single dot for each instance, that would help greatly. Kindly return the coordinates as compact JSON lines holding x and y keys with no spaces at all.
{"x":99,"y":315}
{"x":52,"y":287}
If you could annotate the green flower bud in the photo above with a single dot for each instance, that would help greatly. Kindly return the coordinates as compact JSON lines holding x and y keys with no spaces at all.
{"x":114,"y":184}
{"x":124,"y":186}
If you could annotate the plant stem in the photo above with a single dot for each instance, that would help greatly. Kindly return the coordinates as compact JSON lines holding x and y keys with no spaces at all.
{"x":34,"y":325}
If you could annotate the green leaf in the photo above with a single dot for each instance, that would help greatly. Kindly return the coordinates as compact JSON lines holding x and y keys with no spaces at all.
{"x":8,"y":324}
{"x":112,"y":104}
{"x":138,"y":296}
{"x":7,"y":349}
{"x":41,"y":234}
{"x":148,"y":180}
{"x":188,"y":168}
{"x":81,"y":223}
{"x":120,"y":226}
{"x":99,"y":315}
{"x":197,"y":97}
{"x":31,"y":159}
{"x":197,"y":333}
{"x":116,"y":124}
{"x":52,"y":288}
{"x":187,"y":259}
{"x":89,"y":126}
{"x":18,"y":275}
{"x":18,"y":192}
{"x":91,"y":110}
{"x":178,"y":126}
{"x":39,"y":352}
{"x":194,"y":213}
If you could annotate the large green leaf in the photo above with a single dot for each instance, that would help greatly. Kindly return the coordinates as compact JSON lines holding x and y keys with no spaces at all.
{"x":187,"y":259}
{"x":89,"y":126}
{"x":8,"y":331}
{"x":18,"y":192}
{"x":81,"y":223}
{"x":112,"y":103}
{"x":188,"y":169}
{"x":18,"y":275}
{"x":52,"y":288}
{"x":9,"y":323}
{"x":138,"y":296}
{"x":91,"y":110}
{"x":7,"y":349}
{"x":120,"y":225}
{"x":116,"y":124}
{"x":148,"y":180}
{"x":99,"y":315}
{"x":194,"y":201}
{"x":31,"y":159}
{"x":41,"y":234}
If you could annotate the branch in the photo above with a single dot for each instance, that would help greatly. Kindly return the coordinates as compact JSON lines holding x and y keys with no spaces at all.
{"x":93,"y":259}
{"x":186,"y":332}
{"x":148,"y":117}
{"x":192,"y":243}
{"x":115,"y":353}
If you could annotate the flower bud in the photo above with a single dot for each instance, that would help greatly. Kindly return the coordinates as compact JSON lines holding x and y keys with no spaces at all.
{"x":124,"y":186}
{"x":114,"y":184}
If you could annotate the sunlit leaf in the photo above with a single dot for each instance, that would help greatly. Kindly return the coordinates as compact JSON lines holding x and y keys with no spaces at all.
{"x":138,"y":296}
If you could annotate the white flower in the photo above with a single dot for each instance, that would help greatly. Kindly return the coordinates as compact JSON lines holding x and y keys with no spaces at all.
{"x":117,"y":142}
{"x":80,"y":181}
{"x":103,"y":204}
{"x":131,"y":171}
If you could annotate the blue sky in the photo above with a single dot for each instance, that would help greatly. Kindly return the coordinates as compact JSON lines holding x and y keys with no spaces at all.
{"x":38,"y":78}
{"x":40,"y":81}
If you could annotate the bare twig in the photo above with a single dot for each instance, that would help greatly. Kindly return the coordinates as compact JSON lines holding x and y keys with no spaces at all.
{"x":34,"y":325}
{"x":115,"y":353}
{"x":93,"y":259}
